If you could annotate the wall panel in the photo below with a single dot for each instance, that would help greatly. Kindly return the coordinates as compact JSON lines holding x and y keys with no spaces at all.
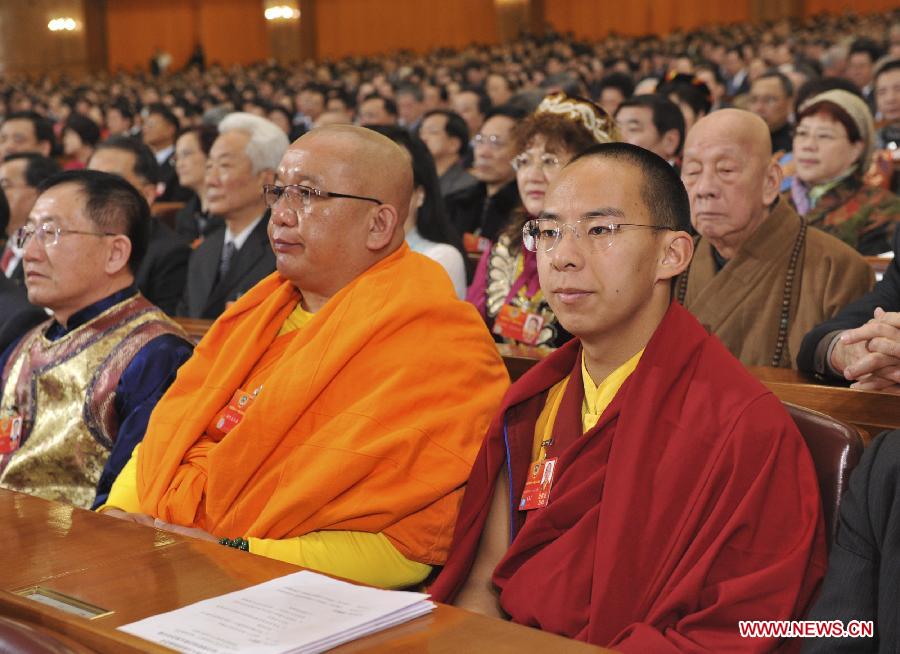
{"x":838,"y":6}
{"x":135,"y":28}
{"x":372,"y":26}
{"x":27,"y":46}
{"x":597,"y":18}
{"x":233,"y":31}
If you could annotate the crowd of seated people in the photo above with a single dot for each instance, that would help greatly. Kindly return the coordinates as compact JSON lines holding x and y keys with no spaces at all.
{"x":655,"y":214}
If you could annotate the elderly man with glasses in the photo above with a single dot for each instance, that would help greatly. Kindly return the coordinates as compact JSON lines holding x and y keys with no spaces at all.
{"x":639,"y":489}
{"x":331,"y":415}
{"x":760,"y":278}
{"x":230,"y":261}
{"x":78,"y":389}
{"x":485,"y":208}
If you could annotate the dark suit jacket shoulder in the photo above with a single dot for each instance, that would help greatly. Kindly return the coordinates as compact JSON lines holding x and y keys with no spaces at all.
{"x":886,"y":295}
{"x":18,"y":314}
{"x":864,"y":566}
{"x":205,"y":296}
{"x":172,"y":191}
{"x":163,"y":271}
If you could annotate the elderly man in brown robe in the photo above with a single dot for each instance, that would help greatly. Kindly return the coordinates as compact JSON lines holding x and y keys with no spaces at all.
{"x":760,"y":277}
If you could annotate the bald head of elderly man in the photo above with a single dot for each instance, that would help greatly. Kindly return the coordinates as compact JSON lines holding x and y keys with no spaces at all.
{"x":327,"y":418}
{"x":760,"y":277}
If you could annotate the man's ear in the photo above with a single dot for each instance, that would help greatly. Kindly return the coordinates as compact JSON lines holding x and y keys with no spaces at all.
{"x":383,"y":224}
{"x":678,"y":249}
{"x":772,"y":182}
{"x":118,"y":254}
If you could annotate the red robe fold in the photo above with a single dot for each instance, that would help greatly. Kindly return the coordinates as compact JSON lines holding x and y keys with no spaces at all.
{"x":691,"y":505}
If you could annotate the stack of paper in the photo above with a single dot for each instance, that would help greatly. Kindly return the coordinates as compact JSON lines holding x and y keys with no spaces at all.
{"x":301,"y":613}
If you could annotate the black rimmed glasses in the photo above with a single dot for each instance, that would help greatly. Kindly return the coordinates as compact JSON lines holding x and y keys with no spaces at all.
{"x":48,"y":234}
{"x":297,"y":196}
{"x":544,"y":234}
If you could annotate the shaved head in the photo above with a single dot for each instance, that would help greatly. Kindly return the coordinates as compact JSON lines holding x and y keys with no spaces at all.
{"x":730,"y":175}
{"x":360,"y":184}
{"x":380,"y":167}
{"x":743,"y":128}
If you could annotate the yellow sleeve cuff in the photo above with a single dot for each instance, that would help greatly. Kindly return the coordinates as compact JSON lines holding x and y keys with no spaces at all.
{"x":123,"y":495}
{"x":354,"y":555}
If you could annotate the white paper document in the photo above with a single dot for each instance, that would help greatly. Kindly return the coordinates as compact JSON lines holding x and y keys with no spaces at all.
{"x":304,"y":612}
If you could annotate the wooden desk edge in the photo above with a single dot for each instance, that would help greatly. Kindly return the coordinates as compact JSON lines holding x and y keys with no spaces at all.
{"x":86,"y":632}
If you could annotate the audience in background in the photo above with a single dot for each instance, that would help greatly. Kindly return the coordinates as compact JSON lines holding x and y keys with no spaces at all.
{"x":485,"y":208}
{"x":447,"y":137}
{"x":428,"y":230}
{"x":193,"y":221}
{"x":17,"y":315}
{"x":80,"y":135}
{"x":230,"y":261}
{"x":162,"y":271}
{"x":26,"y":132}
{"x":20,"y":177}
{"x":159,"y":129}
{"x":833,"y":146}
{"x":771,"y":98}
{"x":653,"y":122}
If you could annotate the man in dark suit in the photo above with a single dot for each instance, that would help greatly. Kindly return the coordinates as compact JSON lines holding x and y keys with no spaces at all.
{"x":162,"y":272}
{"x":232,"y":260}
{"x":864,"y":566}
{"x":861,"y":343}
{"x":159,"y":131}
{"x":17,"y":314}
{"x":20,"y":176}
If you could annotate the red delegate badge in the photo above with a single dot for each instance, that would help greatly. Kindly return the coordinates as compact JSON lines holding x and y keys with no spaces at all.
{"x":536,"y":493}
{"x":519,"y":325}
{"x":10,"y":433}
{"x":229,"y":417}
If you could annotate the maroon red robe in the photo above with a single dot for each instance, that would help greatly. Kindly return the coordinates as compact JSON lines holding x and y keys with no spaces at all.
{"x":691,"y":505}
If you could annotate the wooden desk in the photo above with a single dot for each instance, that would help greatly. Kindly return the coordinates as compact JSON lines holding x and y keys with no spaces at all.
{"x":871,"y":412}
{"x":136,"y":572}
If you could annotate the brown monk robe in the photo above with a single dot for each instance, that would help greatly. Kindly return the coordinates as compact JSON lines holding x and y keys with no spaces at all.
{"x":758,"y":280}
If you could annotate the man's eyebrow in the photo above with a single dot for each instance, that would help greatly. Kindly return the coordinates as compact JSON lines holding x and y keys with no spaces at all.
{"x":604,"y":212}
{"x":305,"y":179}
{"x":548,"y":215}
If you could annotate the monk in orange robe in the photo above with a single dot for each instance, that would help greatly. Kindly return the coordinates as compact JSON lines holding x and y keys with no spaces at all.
{"x":331,"y":415}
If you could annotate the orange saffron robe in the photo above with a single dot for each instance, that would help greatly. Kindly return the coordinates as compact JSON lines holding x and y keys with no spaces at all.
{"x":369,"y":417}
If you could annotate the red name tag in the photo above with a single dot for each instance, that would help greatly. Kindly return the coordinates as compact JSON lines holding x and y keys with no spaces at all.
{"x":518,"y":325}
{"x":231,"y":416}
{"x":475,"y":244}
{"x":10,"y":433}
{"x":536,"y":493}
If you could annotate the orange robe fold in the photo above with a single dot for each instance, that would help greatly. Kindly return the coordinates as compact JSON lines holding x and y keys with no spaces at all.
{"x":369,"y":420}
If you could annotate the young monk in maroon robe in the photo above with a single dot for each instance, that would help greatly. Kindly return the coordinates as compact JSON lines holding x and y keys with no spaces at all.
{"x":639,"y":489}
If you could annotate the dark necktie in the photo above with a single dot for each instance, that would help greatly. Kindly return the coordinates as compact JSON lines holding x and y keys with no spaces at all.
{"x":227,"y":255}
